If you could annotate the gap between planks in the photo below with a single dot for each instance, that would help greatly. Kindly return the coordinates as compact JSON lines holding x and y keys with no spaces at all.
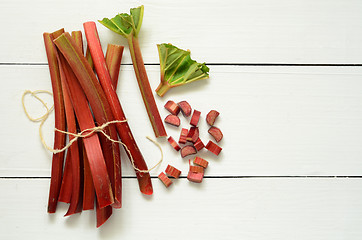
{"x":226,"y":64}
{"x":222,"y":177}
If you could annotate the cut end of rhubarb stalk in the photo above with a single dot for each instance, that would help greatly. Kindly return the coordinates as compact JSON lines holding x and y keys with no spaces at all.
{"x":172,"y":120}
{"x":188,"y":150}
{"x":183,"y":136}
{"x":196,"y":169}
{"x":195,"y":176}
{"x":177,"y":68}
{"x":199,"y":144}
{"x":213,"y":147}
{"x":185,"y":108}
{"x":211,"y":117}
{"x":172,"y":107}
{"x":144,"y":182}
{"x":201,"y":162}
{"x":195,"y":118}
{"x":193,"y":134}
{"x":172,"y":171}
{"x":165,"y":180}
{"x":216,"y":133}
{"x":174,"y":143}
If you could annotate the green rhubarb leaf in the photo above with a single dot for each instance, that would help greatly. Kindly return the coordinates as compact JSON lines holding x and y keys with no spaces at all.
{"x":125,"y":24}
{"x":177,"y":68}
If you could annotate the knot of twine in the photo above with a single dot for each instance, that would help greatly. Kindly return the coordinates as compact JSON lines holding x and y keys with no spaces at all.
{"x":83,"y":134}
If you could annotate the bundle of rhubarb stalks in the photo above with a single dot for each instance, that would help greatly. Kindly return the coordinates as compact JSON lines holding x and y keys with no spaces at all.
{"x":86,"y":170}
{"x":85,"y":97}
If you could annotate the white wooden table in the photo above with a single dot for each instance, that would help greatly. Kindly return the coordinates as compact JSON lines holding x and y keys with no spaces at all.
{"x":286,"y":76}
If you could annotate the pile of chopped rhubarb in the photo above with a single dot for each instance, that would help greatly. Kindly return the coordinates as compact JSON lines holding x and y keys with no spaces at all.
{"x":189,"y":141}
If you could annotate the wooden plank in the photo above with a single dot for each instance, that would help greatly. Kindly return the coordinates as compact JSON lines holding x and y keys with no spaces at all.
{"x":276,"y":120}
{"x":232,"y":31}
{"x":215,"y":209}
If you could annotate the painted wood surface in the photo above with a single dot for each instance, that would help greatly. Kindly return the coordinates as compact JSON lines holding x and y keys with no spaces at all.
{"x":232,"y":31}
{"x":276,"y":121}
{"x":293,"y":128}
{"x":216,"y":209}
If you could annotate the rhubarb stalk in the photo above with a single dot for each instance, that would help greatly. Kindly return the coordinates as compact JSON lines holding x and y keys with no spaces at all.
{"x":128,"y":26}
{"x":59,"y":112}
{"x":113,"y":61}
{"x":115,"y":106}
{"x":92,"y":145}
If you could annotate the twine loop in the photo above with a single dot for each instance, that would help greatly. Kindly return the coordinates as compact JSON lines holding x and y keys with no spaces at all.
{"x":83,"y":134}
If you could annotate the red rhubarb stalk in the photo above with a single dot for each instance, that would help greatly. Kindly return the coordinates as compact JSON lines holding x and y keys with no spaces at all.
{"x":129,"y":26}
{"x":113,"y":61}
{"x":92,"y":145}
{"x":59,"y":112}
{"x":72,"y":127}
{"x":145,"y":87}
{"x":66,"y":188}
{"x":110,"y":152}
{"x":78,"y":39}
{"x":115,"y":106}
{"x":88,"y":191}
{"x":102,"y":214}
{"x":172,"y":120}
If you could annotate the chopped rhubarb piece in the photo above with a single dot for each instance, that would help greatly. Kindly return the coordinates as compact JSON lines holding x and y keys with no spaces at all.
{"x":213,"y":147}
{"x":188,"y":150}
{"x":165,"y":179}
{"x":173,"y":143}
{"x":199,"y":144}
{"x":216,"y":133}
{"x":183,"y":135}
{"x":185,"y":108}
{"x":172,"y":107}
{"x":195,"y":118}
{"x":173,"y":120}
{"x":195,"y":177}
{"x":193,"y":134}
{"x":201,"y":162}
{"x":196,"y":169}
{"x":172,"y":171}
{"x":211,"y":117}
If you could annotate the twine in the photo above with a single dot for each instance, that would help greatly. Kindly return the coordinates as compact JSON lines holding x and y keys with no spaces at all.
{"x":83,"y":134}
